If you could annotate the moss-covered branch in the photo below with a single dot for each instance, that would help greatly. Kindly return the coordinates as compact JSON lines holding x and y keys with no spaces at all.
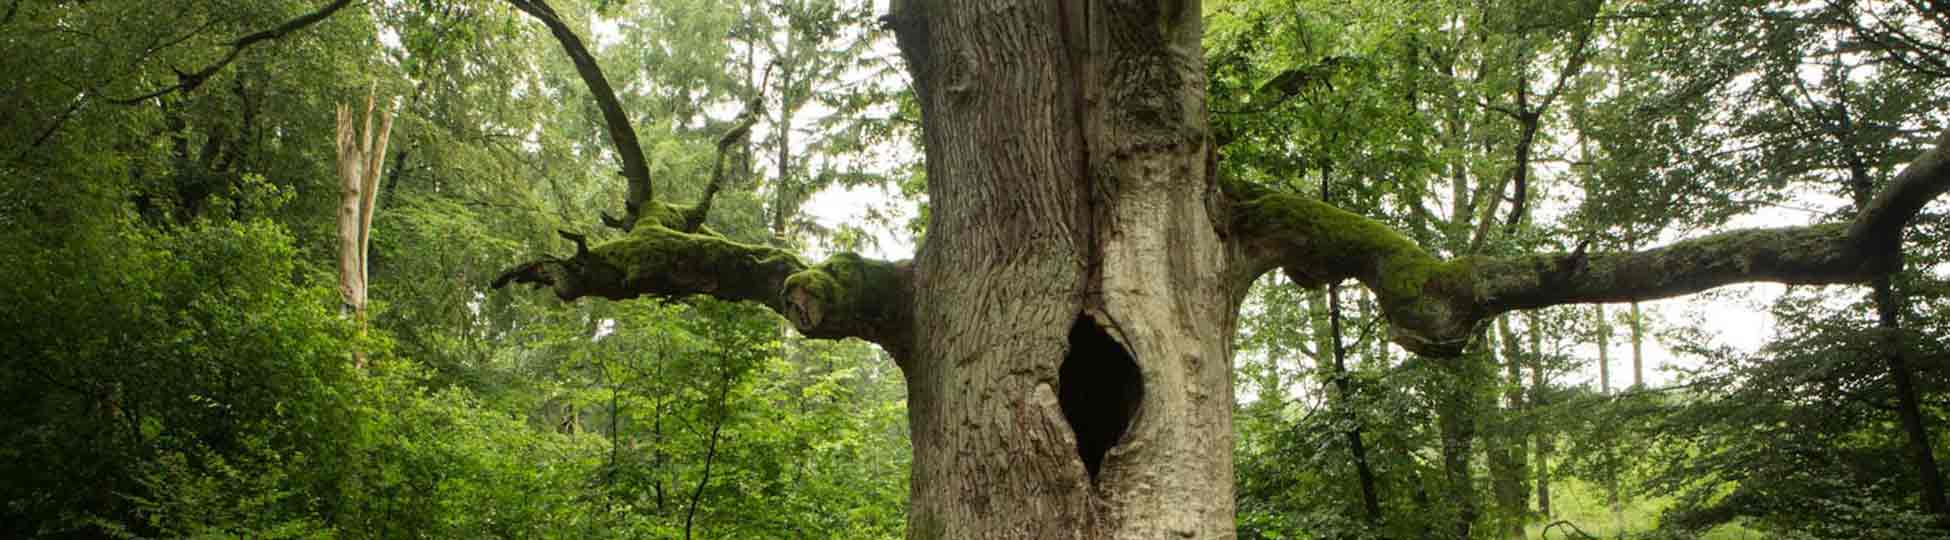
{"x":1426,"y":299}
{"x":668,"y":252}
{"x":846,"y":296}
{"x":1433,"y":306}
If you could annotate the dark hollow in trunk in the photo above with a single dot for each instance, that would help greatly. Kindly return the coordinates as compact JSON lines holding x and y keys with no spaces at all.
{"x":1099,"y":388}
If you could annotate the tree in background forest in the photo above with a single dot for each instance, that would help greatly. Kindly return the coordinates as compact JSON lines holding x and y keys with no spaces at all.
{"x":180,"y":364}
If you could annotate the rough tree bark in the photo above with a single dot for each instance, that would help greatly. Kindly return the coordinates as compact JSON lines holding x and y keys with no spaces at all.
{"x":1065,"y":330}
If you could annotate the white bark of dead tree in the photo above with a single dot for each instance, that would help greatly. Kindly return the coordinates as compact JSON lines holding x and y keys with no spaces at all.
{"x":360,"y":156}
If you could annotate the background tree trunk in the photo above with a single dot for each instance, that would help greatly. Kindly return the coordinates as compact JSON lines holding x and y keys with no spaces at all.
{"x":1638,"y":347}
{"x":1459,"y":402}
{"x":1542,"y":433}
{"x":1508,"y":456}
{"x":361,"y":152}
{"x":1344,"y":390}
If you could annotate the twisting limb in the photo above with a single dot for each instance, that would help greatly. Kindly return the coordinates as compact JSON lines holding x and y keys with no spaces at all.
{"x":694,"y":216}
{"x":186,"y":82}
{"x":1528,"y":118}
{"x":1434,"y":305}
{"x":636,"y":170}
{"x":846,"y":296}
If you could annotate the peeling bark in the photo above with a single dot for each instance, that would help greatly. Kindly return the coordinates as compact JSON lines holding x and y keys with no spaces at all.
{"x":361,"y":153}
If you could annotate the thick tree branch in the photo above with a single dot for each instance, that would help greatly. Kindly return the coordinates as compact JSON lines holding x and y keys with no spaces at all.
{"x":186,"y":82}
{"x":846,"y":296}
{"x":636,"y":170}
{"x":1433,"y":306}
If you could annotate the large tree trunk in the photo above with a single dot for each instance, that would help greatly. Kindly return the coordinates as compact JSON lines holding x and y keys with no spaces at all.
{"x":1071,"y":371}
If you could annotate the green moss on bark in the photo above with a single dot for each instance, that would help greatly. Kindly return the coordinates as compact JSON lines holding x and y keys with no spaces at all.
{"x":1429,"y":301}
{"x":845,"y":283}
{"x":659,"y":260}
{"x":1321,"y":243}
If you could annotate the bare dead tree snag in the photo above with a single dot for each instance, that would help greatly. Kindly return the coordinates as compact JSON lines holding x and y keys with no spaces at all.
{"x":361,"y":153}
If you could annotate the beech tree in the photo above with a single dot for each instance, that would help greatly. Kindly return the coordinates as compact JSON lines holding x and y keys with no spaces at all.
{"x":1066,"y":328}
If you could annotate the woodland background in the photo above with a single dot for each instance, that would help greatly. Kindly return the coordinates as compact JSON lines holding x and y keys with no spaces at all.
{"x":181,"y":366}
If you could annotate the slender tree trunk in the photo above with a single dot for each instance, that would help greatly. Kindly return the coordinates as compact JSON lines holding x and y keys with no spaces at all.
{"x":1908,"y":410}
{"x":710,"y":453}
{"x":1508,"y":457}
{"x":1638,"y":346}
{"x":782,"y":188}
{"x":1458,"y":407}
{"x":1070,"y":373}
{"x":746,"y":161}
{"x":361,"y":152}
{"x":1604,"y":388}
{"x":1604,"y":348}
{"x":1543,"y":433}
{"x":1908,"y":407}
{"x":1370,"y":501}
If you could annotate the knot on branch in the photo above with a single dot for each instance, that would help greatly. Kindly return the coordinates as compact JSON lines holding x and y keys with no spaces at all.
{"x":1576,"y":262}
{"x":1432,"y":325}
{"x":845,"y":296}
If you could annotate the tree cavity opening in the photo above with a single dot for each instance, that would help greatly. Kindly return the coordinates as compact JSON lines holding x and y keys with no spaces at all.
{"x":1099,"y":388}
